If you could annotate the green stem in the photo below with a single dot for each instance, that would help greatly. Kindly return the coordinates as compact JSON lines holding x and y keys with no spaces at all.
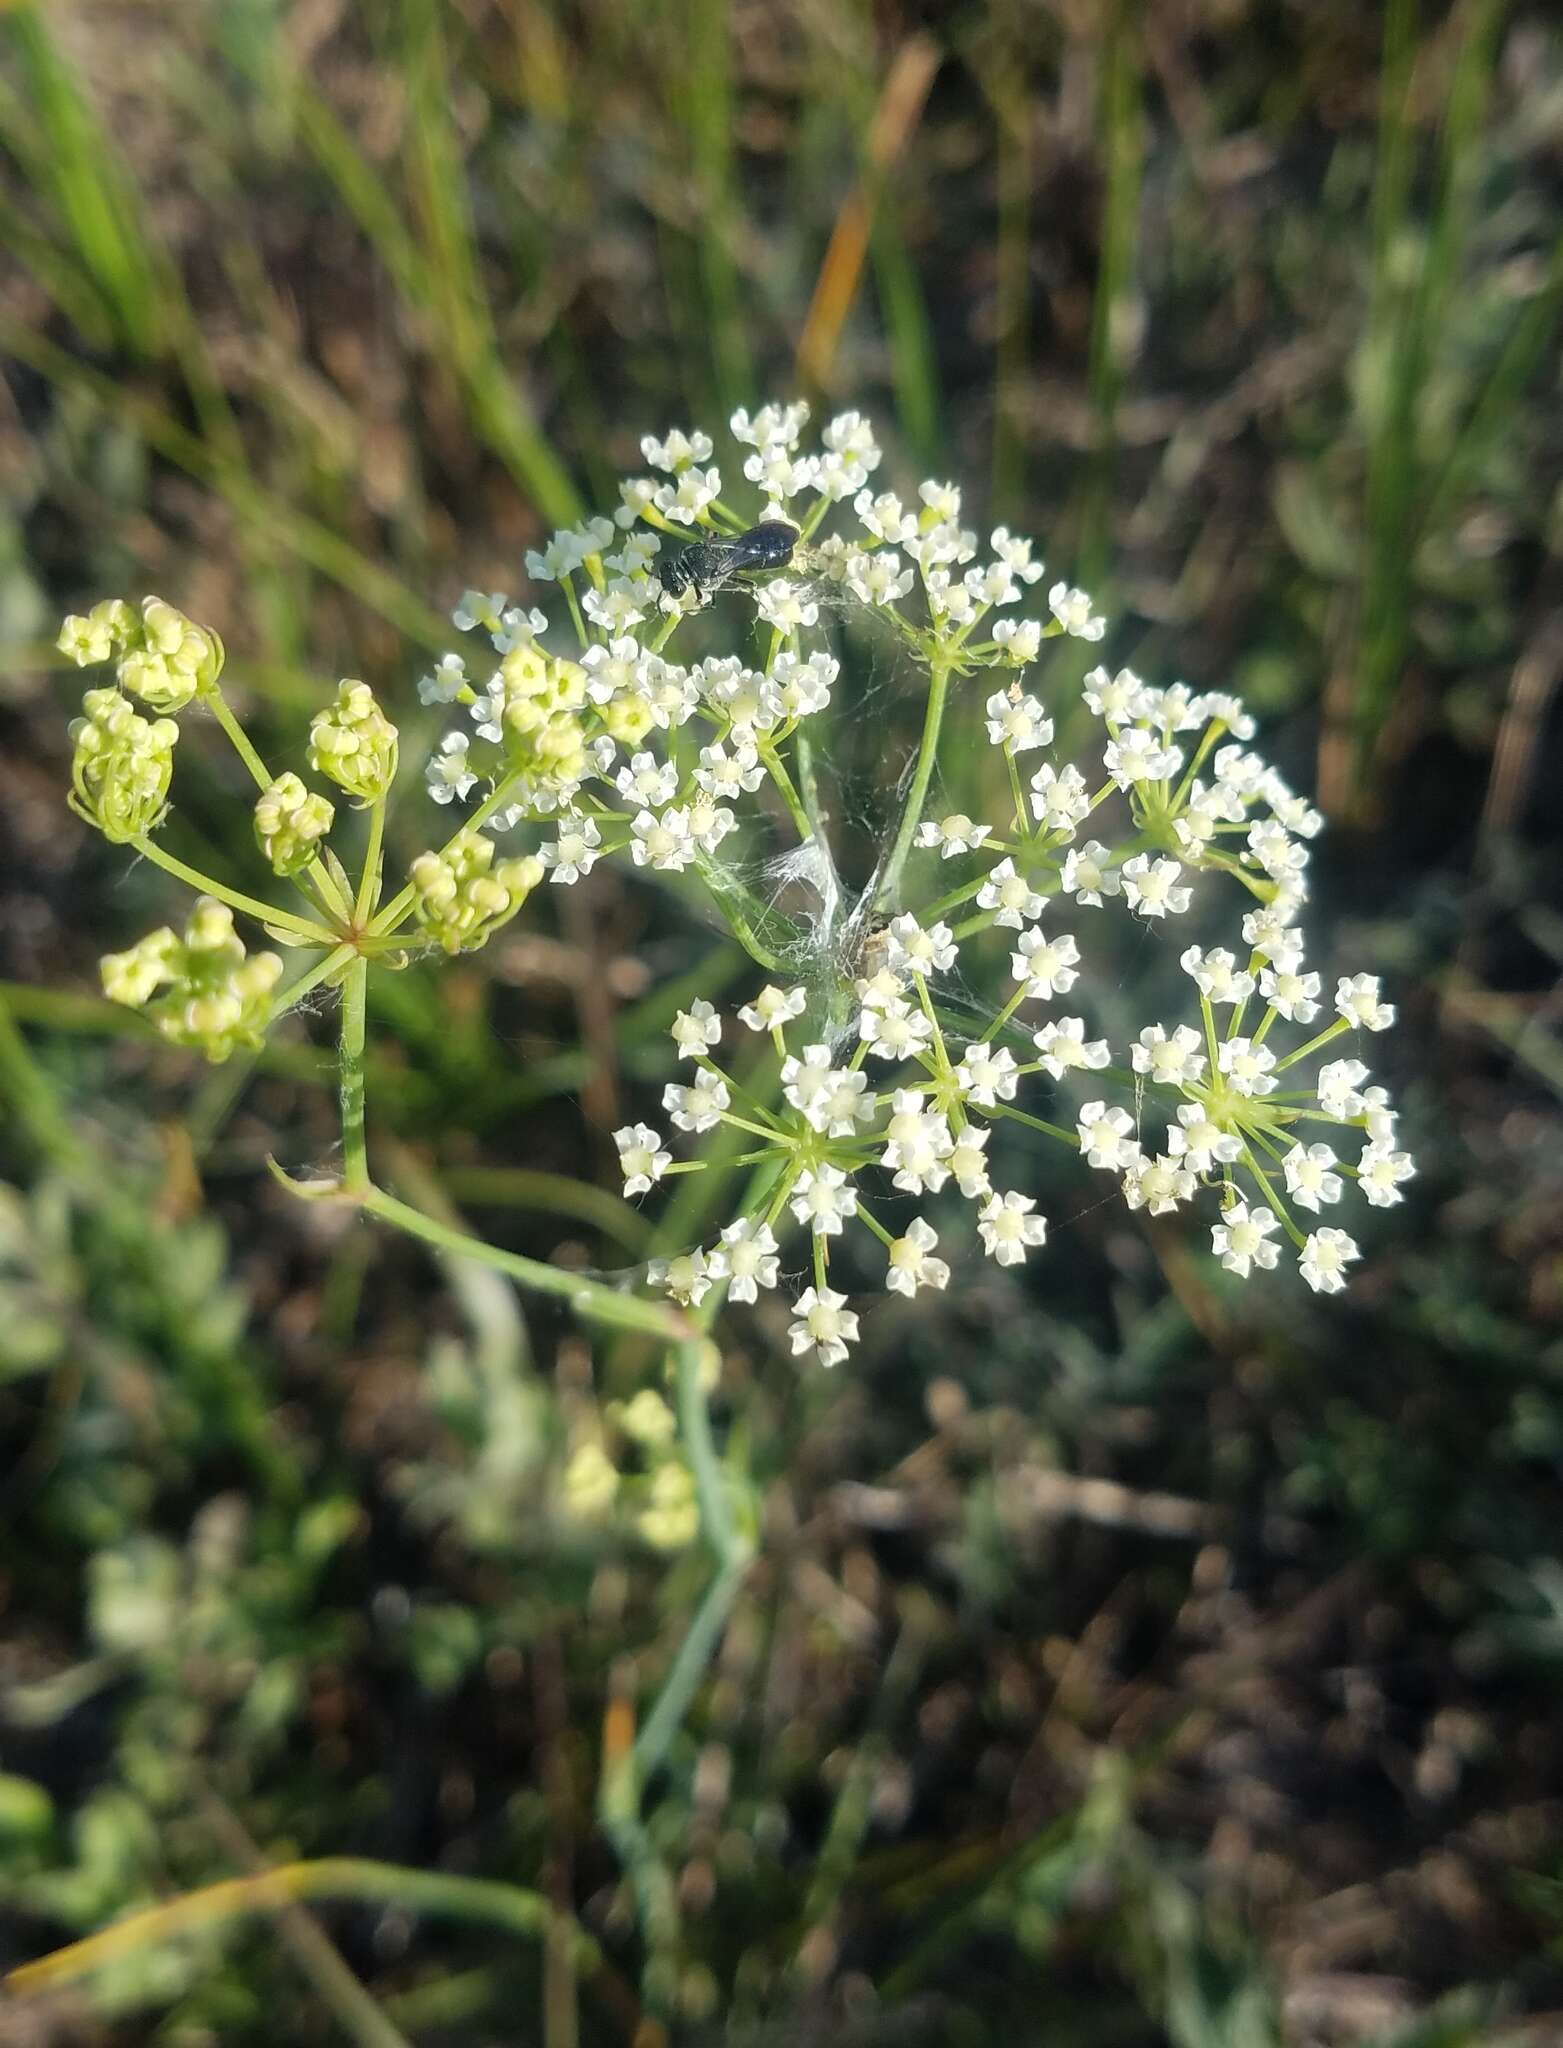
{"x":331,"y":897}
{"x":472,"y":1899}
{"x":590,"y":1299}
{"x":369,"y":881}
{"x":350,"y":1077}
{"x":310,"y":933}
{"x":889,"y":894}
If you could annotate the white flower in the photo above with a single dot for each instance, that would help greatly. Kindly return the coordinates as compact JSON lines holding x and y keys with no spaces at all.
{"x":647,"y":782}
{"x":954,"y":834}
{"x":1158,"y":1185}
{"x":917,"y":1143}
{"x":967,"y":1160}
{"x":1241,"y":1240}
{"x":684,"y":501}
{"x":1138,"y":756}
{"x":1325,"y":1258}
{"x":709,"y":821}
{"x":1276,"y":851}
{"x":1107,"y":1137}
{"x":447,"y":771}
{"x":1220,"y":978}
{"x":664,"y":842}
{"x":677,"y":451}
{"x":803,"y":687}
{"x":696,"y":1028}
{"x":699,"y":1106}
{"x":772,"y":1007}
{"x":1380,"y":1172}
{"x":1018,"y":640}
{"x":687,"y":1278}
{"x":1151,"y":887}
{"x":805,"y":1080}
{"x":782,"y":604}
{"x":747,"y":1258}
{"x":1017,"y":721}
{"x":1009,"y":895}
{"x":943,"y":500}
{"x":1200,"y":1141}
{"x":1059,"y":797}
{"x":1357,"y":1000}
{"x":1289,"y":994}
{"x":824,"y":1325}
{"x":773,"y":426}
{"x":1072,"y":609}
{"x":918,"y":951}
{"x":1247,"y":1067}
{"x":885,"y":517}
{"x":991,"y":585}
{"x":1015,"y":552}
{"x":723,"y":774}
{"x":476,"y":609}
{"x":1338,"y":1085}
{"x":445,"y":681}
{"x":1309,"y":1180}
{"x":1378,"y":1118}
{"x":1086,"y":877}
{"x":1064,"y":1048}
{"x":879,"y":578}
{"x":1175,"y":1062}
{"x":894,"y":1031}
{"x":1118,"y":699}
{"x":911,"y":1266}
{"x":1266,"y":930}
{"x":1006,"y":1226}
{"x":614,"y":610}
{"x":574,"y":852}
{"x":823,"y":1200}
{"x":838,"y":1101}
{"x":641,"y":1157}
{"x":1045,"y":967}
{"x":986,"y":1075}
{"x":782,"y":475}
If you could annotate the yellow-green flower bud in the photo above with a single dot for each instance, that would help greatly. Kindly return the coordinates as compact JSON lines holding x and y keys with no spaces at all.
{"x":461,"y":898}
{"x":201,"y":990}
{"x":121,"y":767}
{"x":354,"y":743}
{"x":627,"y":718}
{"x":94,"y":638}
{"x":672,"y":1520}
{"x":290,"y":822}
{"x":134,"y":977}
{"x":590,"y":1483}
{"x":168,"y":658}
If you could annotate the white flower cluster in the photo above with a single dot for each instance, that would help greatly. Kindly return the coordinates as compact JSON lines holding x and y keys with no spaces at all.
{"x":619,"y":748}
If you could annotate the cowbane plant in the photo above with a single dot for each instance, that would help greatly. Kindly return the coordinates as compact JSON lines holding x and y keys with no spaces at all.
{"x":663,"y":698}
{"x":589,"y":730}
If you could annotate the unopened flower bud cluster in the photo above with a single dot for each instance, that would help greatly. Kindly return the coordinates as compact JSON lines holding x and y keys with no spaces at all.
{"x":202,"y":990}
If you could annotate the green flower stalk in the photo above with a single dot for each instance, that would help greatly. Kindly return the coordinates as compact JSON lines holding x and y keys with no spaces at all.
{"x":355,"y":744}
{"x":461,"y":897}
{"x":121,"y":767}
{"x":291,"y":822}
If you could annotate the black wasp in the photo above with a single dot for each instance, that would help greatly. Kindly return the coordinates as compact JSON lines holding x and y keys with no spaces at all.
{"x":709,"y":563}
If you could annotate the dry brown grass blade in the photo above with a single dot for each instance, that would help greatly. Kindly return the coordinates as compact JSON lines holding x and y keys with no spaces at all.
{"x":900,"y":108}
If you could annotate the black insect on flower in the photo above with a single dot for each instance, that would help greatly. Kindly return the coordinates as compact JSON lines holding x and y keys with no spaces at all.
{"x":709,"y":564}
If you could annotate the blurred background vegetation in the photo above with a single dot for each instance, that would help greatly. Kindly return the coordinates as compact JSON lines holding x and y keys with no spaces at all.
{"x":1131,"y":1658}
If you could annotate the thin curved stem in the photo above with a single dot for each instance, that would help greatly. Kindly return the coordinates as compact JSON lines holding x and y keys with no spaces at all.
{"x":889,"y":893}
{"x":310,"y":933}
{"x":330,"y":1877}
